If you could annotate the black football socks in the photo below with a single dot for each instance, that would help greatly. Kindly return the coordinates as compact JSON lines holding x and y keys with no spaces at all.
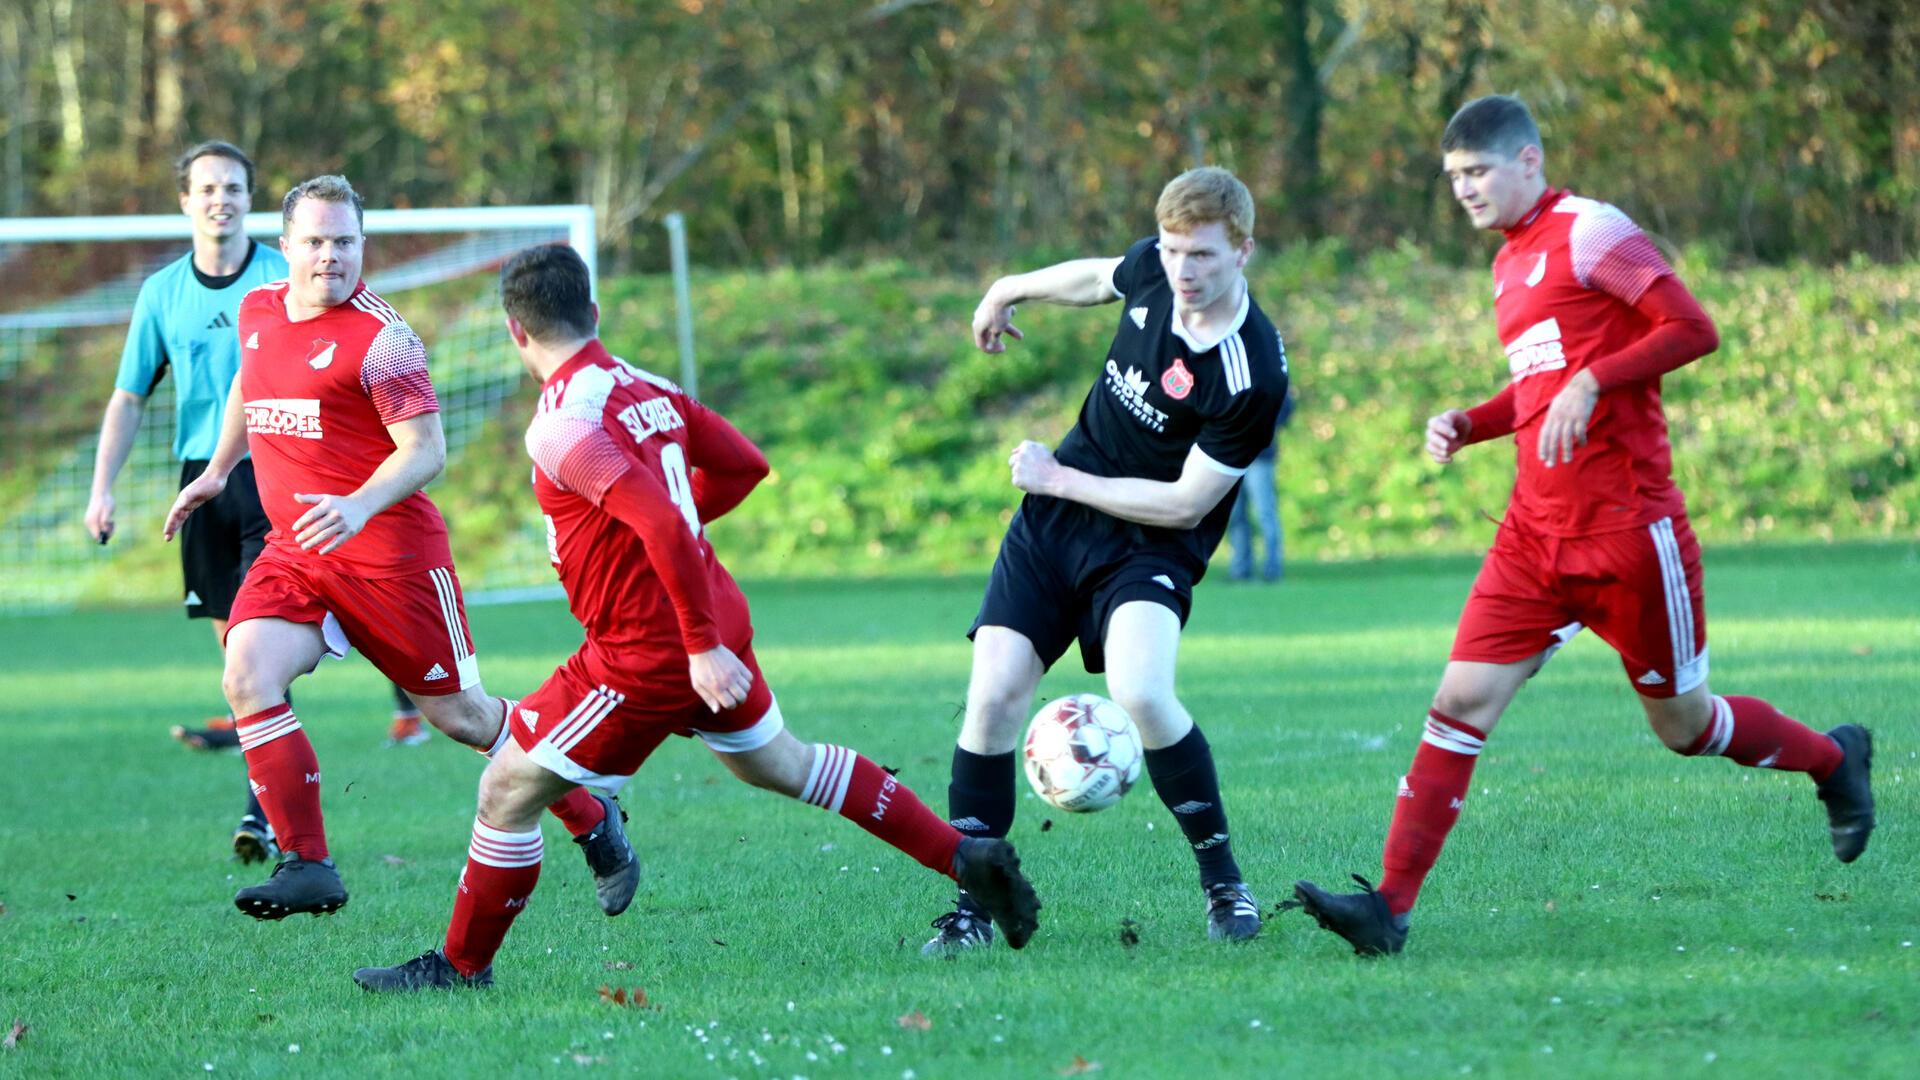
{"x":980,"y":798}
{"x":1184,"y":777}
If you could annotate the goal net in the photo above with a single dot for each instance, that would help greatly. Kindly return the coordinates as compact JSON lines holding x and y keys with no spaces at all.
{"x":67,"y":290}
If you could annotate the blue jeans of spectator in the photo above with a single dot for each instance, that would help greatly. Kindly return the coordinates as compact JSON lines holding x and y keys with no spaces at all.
{"x":1259,"y":499}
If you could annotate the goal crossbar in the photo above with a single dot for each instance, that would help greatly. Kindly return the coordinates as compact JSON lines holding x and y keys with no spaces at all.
{"x":576,"y":219}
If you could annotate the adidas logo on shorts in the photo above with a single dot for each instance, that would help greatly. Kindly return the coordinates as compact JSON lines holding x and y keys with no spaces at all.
{"x":436,"y":672}
{"x":1651,"y":678}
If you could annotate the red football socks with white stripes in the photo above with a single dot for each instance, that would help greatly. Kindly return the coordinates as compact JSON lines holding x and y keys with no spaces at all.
{"x":1757,"y":735}
{"x":285,"y":776}
{"x":1430,"y":798}
{"x":502,"y":869}
{"x":867,"y":795}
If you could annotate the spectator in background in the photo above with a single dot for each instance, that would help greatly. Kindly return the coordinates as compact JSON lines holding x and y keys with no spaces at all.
{"x":1257,"y":488}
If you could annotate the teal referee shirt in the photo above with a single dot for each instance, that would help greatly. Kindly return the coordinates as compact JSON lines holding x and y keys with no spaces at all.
{"x":184,"y":322}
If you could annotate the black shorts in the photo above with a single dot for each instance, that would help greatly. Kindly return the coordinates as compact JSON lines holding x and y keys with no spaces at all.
{"x":219,"y":541}
{"x":1063,"y":569}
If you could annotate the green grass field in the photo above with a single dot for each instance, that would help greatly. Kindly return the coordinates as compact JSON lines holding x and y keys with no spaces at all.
{"x":1604,"y":908}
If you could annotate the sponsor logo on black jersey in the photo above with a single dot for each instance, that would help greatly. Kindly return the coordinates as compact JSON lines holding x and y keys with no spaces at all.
{"x":1131,"y":390}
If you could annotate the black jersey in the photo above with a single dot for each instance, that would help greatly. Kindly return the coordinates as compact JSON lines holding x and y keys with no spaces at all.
{"x":1162,"y":393}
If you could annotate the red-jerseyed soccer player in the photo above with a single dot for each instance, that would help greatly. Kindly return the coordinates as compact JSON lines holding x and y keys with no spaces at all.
{"x":334,"y":402}
{"x":628,"y":471}
{"x":1595,"y":533}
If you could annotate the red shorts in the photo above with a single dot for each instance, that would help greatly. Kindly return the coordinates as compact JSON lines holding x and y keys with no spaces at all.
{"x":1639,"y":589}
{"x":593,"y":723}
{"x":413,"y":628}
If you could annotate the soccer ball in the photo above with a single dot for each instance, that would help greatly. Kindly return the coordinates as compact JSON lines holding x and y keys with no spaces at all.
{"x":1082,"y":753}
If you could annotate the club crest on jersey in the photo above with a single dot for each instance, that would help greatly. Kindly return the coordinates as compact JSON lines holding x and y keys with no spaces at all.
{"x":1539,"y":271}
{"x":1178,"y":381}
{"x":321,"y":354}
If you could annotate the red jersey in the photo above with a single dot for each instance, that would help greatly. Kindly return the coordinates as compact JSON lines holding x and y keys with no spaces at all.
{"x":319,"y":395}
{"x":1565,"y":285}
{"x":628,"y":469}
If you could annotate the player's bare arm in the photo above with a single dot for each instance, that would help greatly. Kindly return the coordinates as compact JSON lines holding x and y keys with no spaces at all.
{"x":1177,"y":505}
{"x":117,"y":429}
{"x":226,"y":454}
{"x":1447,"y":434}
{"x":419,"y":453}
{"x":1075,"y":283}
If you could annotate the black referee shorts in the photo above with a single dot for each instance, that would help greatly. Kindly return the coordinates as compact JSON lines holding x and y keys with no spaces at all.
{"x":1064,"y":568}
{"x":219,"y":541}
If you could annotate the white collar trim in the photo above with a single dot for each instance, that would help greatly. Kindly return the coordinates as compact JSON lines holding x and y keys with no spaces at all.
{"x":1179,"y":327}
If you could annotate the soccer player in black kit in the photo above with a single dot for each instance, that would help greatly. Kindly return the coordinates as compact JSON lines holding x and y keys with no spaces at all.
{"x":1118,"y":525}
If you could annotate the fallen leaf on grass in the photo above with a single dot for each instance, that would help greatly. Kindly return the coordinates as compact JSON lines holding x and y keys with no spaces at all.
{"x":1077,"y":1066}
{"x":1129,"y":933}
{"x":583,"y":1059}
{"x":1863,"y":650}
{"x":1047,"y":825}
{"x":1550,"y":908}
{"x":634,"y":999}
{"x":393,"y":860}
{"x":1841,"y":897}
{"x":3,"y":907}
{"x":13,"y":1037}
{"x":718,"y":942}
{"x":916,"y":1021}
{"x":618,"y":965}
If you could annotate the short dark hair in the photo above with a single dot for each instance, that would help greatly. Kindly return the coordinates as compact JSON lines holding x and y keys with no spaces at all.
{"x":547,"y":290}
{"x":183,"y":165}
{"x":1495,"y":124}
{"x":330,"y":188}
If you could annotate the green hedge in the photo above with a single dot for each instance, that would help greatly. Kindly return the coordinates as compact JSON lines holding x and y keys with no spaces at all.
{"x":889,"y":433}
